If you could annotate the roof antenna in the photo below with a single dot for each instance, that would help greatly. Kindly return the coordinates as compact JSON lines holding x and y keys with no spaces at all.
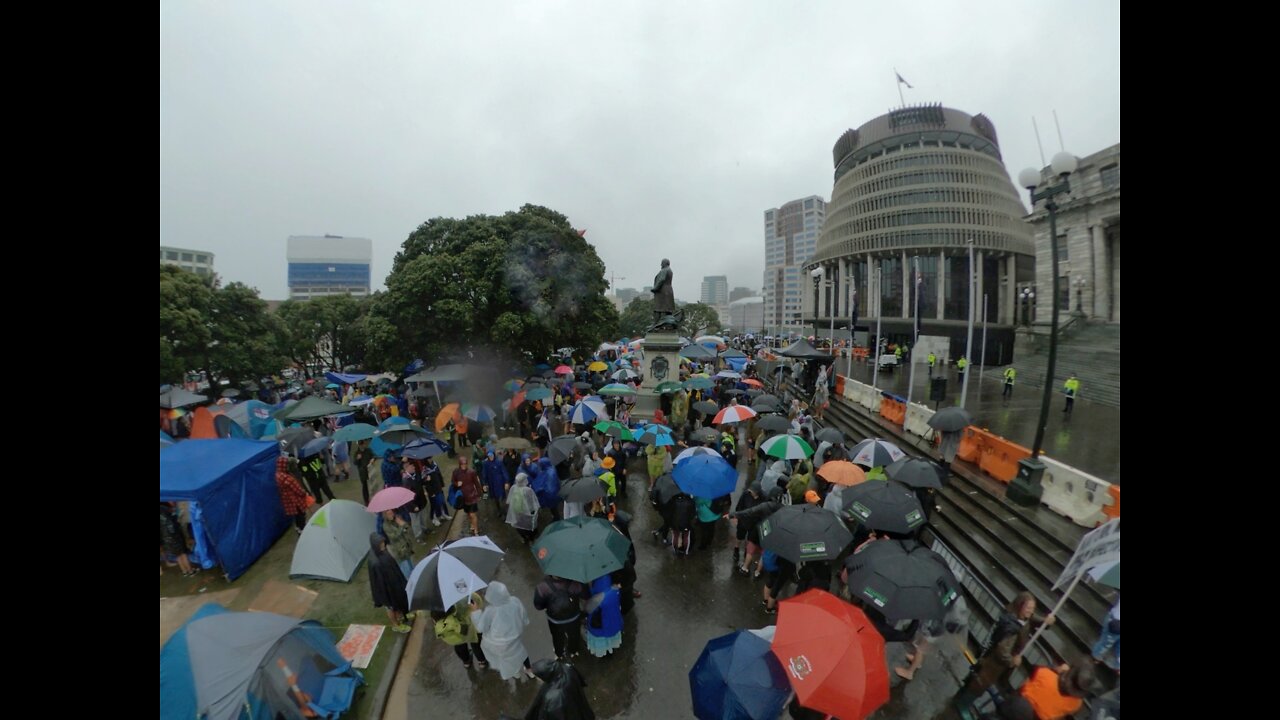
{"x":1061,"y":147}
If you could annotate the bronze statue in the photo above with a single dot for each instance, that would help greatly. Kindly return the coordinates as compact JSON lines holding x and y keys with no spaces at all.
{"x":664,"y":298}
{"x":667,"y":321}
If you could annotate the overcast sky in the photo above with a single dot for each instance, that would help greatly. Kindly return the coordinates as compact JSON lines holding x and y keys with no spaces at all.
{"x":662,"y":128}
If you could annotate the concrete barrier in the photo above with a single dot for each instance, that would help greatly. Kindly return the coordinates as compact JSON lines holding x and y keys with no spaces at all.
{"x":1078,"y":495}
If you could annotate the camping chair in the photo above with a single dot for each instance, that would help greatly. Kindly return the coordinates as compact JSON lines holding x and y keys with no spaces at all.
{"x":331,"y":693}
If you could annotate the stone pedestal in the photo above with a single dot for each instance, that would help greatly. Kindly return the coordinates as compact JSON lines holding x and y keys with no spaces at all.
{"x":661,"y":364}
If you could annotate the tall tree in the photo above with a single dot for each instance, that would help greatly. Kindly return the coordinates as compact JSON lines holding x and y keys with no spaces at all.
{"x":523,"y":281}
{"x":637,"y":316}
{"x":699,"y":319}
{"x":328,"y":331}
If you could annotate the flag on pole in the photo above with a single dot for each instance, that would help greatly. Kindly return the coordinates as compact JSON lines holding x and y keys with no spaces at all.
{"x":902,"y":80}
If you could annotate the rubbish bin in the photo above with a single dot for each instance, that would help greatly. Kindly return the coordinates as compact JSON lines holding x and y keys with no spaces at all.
{"x":938,"y":389}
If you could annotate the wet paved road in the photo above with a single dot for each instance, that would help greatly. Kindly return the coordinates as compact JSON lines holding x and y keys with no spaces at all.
{"x":687,"y":601}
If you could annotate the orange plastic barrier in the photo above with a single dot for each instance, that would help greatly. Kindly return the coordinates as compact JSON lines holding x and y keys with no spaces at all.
{"x":1113,"y":511}
{"x":970,"y":445}
{"x":893,"y":411}
{"x":999,"y":457}
{"x":839,"y":386}
{"x":860,"y":353}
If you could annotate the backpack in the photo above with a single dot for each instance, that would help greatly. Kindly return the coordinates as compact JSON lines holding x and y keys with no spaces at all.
{"x":559,"y":604}
{"x":722,"y":504}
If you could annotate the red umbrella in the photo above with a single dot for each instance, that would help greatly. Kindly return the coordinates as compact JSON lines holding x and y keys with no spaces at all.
{"x":390,"y":499}
{"x":833,"y":655}
{"x":563,"y":370}
{"x":752,"y":382}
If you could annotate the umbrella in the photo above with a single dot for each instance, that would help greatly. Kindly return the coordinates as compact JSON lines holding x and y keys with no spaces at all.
{"x":625,"y":374}
{"x":514,"y":443}
{"x":951,"y":419}
{"x":666,"y":488}
{"x":728,"y":374}
{"x":754,"y":392}
{"x":583,"y":414}
{"x":753,"y":383}
{"x":732,"y":353}
{"x":695,"y":452}
{"x":802,"y":533}
{"x":737,"y":676}
{"x":333,"y":386}
{"x":787,"y":447}
{"x":230,"y":393}
{"x":403,"y":434}
{"x":762,"y":406}
{"x":446,"y":415}
{"x":733,"y":414}
{"x":774,"y":399}
{"x":875,"y":453}
{"x":916,"y":473}
{"x":382,"y":448}
{"x":705,"y":475}
{"x":776,"y":423}
{"x":512,"y":385}
{"x":582,"y":490}
{"x":353,"y":432}
{"x":582,"y":386}
{"x":669,"y":386}
{"x":315,"y":447}
{"x":563,"y":370}
{"x":563,"y":448}
{"x":706,"y":435}
{"x":390,"y":498}
{"x":539,"y":393}
{"x":841,"y":472}
{"x":452,"y":573}
{"x":699,"y":383}
{"x":886,"y":506}
{"x":733,"y":391}
{"x":617,"y":389}
{"x":423,"y":448}
{"x":360,"y":401}
{"x":711,"y":339}
{"x":706,"y":407}
{"x":479,"y":413}
{"x":833,"y":653}
{"x":292,"y":439}
{"x":831,"y":435}
{"x":176,"y":397}
{"x":581,"y":548}
{"x":903,"y":580}
{"x":654,"y":434}
{"x":597,"y":366}
{"x":613,"y":428}
{"x":596,"y":403}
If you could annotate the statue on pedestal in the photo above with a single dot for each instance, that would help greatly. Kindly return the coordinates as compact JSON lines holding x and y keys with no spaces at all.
{"x":665,"y":316}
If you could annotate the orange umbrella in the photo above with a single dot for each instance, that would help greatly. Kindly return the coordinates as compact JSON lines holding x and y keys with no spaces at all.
{"x":842,"y":472}
{"x":752,"y":382}
{"x":446,"y":415}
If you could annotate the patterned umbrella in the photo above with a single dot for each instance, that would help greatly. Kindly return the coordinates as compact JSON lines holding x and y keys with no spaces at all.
{"x":617,"y":389}
{"x":787,"y":447}
{"x":452,"y":573}
{"x":659,"y":435}
{"x":613,"y":428}
{"x":874,"y":452}
{"x":886,"y":506}
{"x":733,"y":414}
{"x":583,"y":414}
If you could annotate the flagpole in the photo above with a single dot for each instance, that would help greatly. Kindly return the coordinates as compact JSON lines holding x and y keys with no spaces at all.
{"x":915,"y":332}
{"x":968,"y":346}
{"x":982,"y":369}
{"x":1061,"y":601}
{"x":875,"y":351}
{"x":853,"y":326}
{"x":901,"y":101}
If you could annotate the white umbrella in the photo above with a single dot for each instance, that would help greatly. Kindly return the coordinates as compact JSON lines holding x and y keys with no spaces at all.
{"x":452,"y":573}
{"x":874,"y":452}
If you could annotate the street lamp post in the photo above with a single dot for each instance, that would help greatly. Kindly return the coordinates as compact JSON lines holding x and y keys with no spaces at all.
{"x":1025,"y":488}
{"x":968,"y":345}
{"x":1028,"y":296}
{"x":1079,"y":282}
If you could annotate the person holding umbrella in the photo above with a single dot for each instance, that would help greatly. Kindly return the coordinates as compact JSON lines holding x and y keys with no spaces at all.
{"x":387,"y":584}
{"x":562,"y":601}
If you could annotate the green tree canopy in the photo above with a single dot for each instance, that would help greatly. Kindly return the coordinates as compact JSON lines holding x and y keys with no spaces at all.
{"x":699,"y":319}
{"x":225,"y":332}
{"x":523,"y":281}
{"x":636,"y":317}
{"x":329,"y":331}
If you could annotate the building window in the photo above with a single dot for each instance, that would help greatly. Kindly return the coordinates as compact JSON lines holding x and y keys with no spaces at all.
{"x":187,"y":257}
{"x":1062,"y":248}
{"x":202,"y":259}
{"x":1110,"y":177}
{"x":1064,"y":292}
{"x":170,"y":255}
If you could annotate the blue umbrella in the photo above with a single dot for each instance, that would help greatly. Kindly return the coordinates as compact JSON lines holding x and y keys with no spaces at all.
{"x":353,"y":432}
{"x":381,"y":447}
{"x":583,"y":414}
{"x":705,"y":476}
{"x":538,"y":393}
{"x":737,"y":678}
{"x":315,"y":447}
{"x":423,"y":448}
{"x":394,"y":422}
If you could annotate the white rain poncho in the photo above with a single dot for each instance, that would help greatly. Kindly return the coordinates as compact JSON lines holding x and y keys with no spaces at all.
{"x":522,"y":505}
{"x":500,"y":624}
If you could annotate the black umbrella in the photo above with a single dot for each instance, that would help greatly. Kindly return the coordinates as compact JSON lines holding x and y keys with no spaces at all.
{"x":803,"y":533}
{"x":316,"y":446}
{"x":292,"y":439}
{"x":916,"y":473}
{"x":951,"y":419}
{"x":563,"y":448}
{"x":403,"y":434}
{"x":767,"y":398}
{"x":887,"y":506}
{"x":706,"y":407}
{"x":765,"y":406}
{"x":582,"y":386}
{"x":706,"y":435}
{"x":776,"y":423}
{"x":831,"y":435}
{"x":733,"y":391}
{"x":754,"y":393}
{"x":902,"y":579}
{"x":666,"y":488}
{"x":582,"y":490}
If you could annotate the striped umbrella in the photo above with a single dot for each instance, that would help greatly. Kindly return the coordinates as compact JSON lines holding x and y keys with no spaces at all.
{"x":787,"y":447}
{"x":582,"y":414}
{"x":733,"y":414}
{"x":695,"y":452}
{"x":874,"y":452}
{"x":617,"y":389}
{"x":625,"y":374}
{"x":477,"y":412}
{"x":595,"y":402}
{"x":654,"y":434}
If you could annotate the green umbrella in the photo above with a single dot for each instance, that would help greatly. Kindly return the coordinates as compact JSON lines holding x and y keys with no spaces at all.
{"x":613,"y":428}
{"x":617,"y":389}
{"x":356,"y":431}
{"x":311,"y":408}
{"x":787,"y":447}
{"x":582,"y":548}
{"x":667,"y":387}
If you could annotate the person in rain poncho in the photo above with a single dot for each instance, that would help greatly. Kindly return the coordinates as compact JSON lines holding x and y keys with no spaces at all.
{"x":604,"y":617}
{"x":561,"y":696}
{"x":495,"y":479}
{"x":522,"y":508}
{"x":546,"y":483}
{"x":654,"y":461}
{"x":500,"y":624}
{"x":387,"y":584}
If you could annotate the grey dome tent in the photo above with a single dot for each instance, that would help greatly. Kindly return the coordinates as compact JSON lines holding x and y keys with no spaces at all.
{"x":334,"y":543}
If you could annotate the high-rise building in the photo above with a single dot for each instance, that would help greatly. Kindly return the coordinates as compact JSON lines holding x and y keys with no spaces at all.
{"x":921,"y":192}
{"x":329,"y":265}
{"x":715,"y":290}
{"x":747,"y":315}
{"x":199,"y":262}
{"x":626,"y":295}
{"x":741,"y":292}
{"x":790,"y":237}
